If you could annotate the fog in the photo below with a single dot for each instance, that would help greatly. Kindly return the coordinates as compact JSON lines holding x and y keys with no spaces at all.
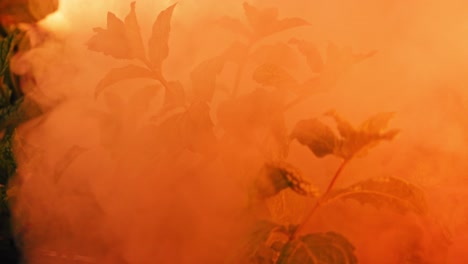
{"x":100,"y":181}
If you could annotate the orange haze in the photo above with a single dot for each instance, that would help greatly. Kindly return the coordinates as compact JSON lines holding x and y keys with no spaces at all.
{"x":127,"y":199}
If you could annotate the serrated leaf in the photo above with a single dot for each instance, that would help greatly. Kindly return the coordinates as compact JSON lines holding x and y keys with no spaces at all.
{"x":277,"y":176}
{"x":6,"y":48}
{"x":276,"y":76}
{"x":319,"y":248}
{"x":158,"y":42}
{"x":318,"y":137}
{"x":123,"y":73}
{"x":391,"y":192}
{"x":310,"y":52}
{"x":265,"y":22}
{"x":234,"y":25}
{"x":204,"y":78}
{"x":66,"y":160}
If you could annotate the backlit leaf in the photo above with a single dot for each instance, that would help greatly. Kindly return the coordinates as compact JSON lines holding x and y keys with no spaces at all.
{"x":66,"y":160}
{"x":390,"y":192}
{"x":319,"y":248}
{"x":317,"y":136}
{"x":204,"y":78}
{"x":276,"y":76}
{"x":277,"y":176}
{"x":158,"y":42}
{"x":310,"y":51}
{"x":377,"y":123}
{"x":123,"y":73}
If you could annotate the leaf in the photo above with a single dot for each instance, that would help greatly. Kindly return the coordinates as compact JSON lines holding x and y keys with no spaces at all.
{"x":276,"y":76}
{"x":237,"y":52}
{"x":175,"y":95}
{"x":121,"y":40}
{"x":111,"y":41}
{"x":158,"y":42}
{"x":204,"y":78}
{"x":197,"y":129}
{"x":317,"y":136}
{"x":6,"y":49}
{"x":310,"y":51}
{"x":7,"y":157}
{"x":390,"y":192}
{"x":277,"y":176}
{"x":118,"y":74}
{"x":319,"y":248}
{"x":21,"y":111}
{"x":263,"y":243}
{"x":377,"y":123}
{"x":65,"y":161}
{"x":26,"y":11}
{"x":234,"y":25}
{"x":265,"y":22}
{"x":133,"y":34}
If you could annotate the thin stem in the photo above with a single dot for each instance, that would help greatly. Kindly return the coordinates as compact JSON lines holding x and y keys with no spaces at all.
{"x":320,"y":200}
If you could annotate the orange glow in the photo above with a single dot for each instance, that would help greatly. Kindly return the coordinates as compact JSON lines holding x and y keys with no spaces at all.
{"x":163,"y":169}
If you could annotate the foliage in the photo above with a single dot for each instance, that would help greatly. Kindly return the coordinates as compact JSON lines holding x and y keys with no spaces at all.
{"x":185,"y":123}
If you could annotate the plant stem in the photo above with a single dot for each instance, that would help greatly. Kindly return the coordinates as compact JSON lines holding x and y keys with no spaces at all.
{"x":320,"y":200}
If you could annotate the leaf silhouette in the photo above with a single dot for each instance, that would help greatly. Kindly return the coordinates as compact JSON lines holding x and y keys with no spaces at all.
{"x":175,"y":95}
{"x":121,"y":40}
{"x":204,"y":78}
{"x":134,"y":35}
{"x":234,"y":25}
{"x":310,"y":51}
{"x":276,"y":76}
{"x":158,"y":42}
{"x":317,"y":136}
{"x":265,"y":22}
{"x":319,"y":248}
{"x":278,"y":54}
{"x":277,"y":176}
{"x":6,"y":48}
{"x":66,"y":160}
{"x":8,"y":163}
{"x":122,"y":73}
{"x":391,"y":192}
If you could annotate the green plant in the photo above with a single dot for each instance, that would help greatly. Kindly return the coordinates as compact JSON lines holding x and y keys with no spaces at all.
{"x":184,"y":122}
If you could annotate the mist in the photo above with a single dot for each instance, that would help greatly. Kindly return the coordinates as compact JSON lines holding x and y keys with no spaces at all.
{"x":106,"y":178}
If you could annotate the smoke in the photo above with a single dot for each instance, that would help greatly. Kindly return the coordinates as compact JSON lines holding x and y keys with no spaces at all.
{"x":99,"y":182}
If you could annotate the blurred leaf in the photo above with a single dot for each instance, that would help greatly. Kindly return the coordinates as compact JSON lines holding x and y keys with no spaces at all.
{"x":265,"y":21}
{"x":121,"y":40}
{"x":234,"y":25}
{"x":26,"y":11}
{"x":204,"y":78}
{"x":277,"y":54}
{"x":276,"y":76}
{"x":310,"y":51}
{"x":66,"y":160}
{"x":277,"y":176}
{"x":319,"y":248}
{"x":317,"y":136}
{"x":263,"y":244}
{"x":133,"y":34}
{"x":139,"y":102}
{"x":7,"y":157}
{"x":357,"y":141}
{"x":123,"y":73}
{"x":21,"y":111}
{"x":158,"y":42}
{"x":197,"y":129}
{"x":391,"y":192}
{"x":6,"y":49}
